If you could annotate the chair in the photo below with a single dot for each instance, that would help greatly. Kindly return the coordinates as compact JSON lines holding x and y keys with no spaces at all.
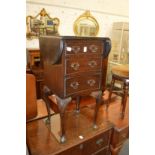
{"x":31,"y":98}
{"x":120,"y":74}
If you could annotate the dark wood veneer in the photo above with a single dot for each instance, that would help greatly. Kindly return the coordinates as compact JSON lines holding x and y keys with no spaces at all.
{"x":42,"y":142}
{"x":73,"y":66}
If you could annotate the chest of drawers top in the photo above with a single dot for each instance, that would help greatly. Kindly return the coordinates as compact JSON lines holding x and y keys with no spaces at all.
{"x":73,"y":65}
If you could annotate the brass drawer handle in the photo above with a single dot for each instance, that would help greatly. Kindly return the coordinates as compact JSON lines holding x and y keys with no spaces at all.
{"x":75,"y":65}
{"x":91,"y":82}
{"x":92,"y":63}
{"x":93,"y":48}
{"x":99,"y":141}
{"x":74,"y":85}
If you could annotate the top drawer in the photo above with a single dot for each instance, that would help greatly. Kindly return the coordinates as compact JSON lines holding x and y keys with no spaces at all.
{"x":83,"y":46}
{"x":93,"y":145}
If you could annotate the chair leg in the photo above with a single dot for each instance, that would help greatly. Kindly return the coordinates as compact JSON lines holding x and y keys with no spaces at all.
{"x":124,"y":99}
{"x":110,"y":93}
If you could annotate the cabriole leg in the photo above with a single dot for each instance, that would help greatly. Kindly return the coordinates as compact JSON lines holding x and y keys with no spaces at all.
{"x":62,"y":104}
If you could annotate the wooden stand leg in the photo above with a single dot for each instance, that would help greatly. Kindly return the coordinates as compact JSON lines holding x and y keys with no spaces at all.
{"x":46,"y":93}
{"x":124,"y":99}
{"x":78,"y":98}
{"x":62,"y":104}
{"x":98,"y":96}
{"x":110,"y":93}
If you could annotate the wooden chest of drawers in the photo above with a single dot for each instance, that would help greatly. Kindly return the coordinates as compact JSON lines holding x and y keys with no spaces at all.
{"x":73,"y":67}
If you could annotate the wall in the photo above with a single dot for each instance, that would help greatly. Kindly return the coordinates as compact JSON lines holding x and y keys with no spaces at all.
{"x":105,"y":11}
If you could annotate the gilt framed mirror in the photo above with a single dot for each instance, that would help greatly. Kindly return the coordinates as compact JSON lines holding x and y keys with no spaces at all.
{"x":86,"y":25}
{"x":41,"y":24}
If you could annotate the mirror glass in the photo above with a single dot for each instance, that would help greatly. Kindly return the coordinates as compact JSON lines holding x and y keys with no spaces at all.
{"x":86,"y":25}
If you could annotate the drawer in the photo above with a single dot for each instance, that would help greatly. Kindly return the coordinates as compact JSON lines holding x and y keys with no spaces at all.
{"x":83,"y":64}
{"x":84,"y":46}
{"x":97,"y":144}
{"x":79,"y":150}
{"x":119,"y":136}
{"x":76,"y":150}
{"x":82,"y":83}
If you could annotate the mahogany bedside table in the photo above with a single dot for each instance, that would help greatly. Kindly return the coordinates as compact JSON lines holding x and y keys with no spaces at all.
{"x":73,"y":67}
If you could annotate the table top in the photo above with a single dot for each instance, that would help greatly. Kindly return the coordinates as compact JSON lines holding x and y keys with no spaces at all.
{"x":41,"y":141}
{"x":121,"y":70}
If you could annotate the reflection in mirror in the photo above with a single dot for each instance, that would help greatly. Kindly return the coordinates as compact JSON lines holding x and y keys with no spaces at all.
{"x":86,"y":25}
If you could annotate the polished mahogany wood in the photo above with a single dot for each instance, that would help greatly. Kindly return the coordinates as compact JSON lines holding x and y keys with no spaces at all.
{"x":73,"y":66}
{"x":82,"y":138}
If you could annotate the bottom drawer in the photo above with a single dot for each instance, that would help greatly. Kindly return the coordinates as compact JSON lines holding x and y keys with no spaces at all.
{"x":82,"y":83}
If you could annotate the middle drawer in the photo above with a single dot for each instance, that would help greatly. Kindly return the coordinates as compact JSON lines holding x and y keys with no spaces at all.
{"x":83,"y":82}
{"x":83,"y":64}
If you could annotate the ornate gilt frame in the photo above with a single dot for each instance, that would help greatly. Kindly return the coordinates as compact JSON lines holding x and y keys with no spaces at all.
{"x":45,"y":25}
{"x":89,"y":25}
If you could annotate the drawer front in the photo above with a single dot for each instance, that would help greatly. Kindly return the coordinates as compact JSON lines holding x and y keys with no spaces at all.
{"x":76,"y":150}
{"x":119,"y":136}
{"x":79,"y":150}
{"x":96,"y":144}
{"x":83,"y":46}
{"x":81,"y":83}
{"x":83,"y":64}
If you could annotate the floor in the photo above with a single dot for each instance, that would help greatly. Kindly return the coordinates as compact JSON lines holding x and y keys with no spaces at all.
{"x":114,"y":108}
